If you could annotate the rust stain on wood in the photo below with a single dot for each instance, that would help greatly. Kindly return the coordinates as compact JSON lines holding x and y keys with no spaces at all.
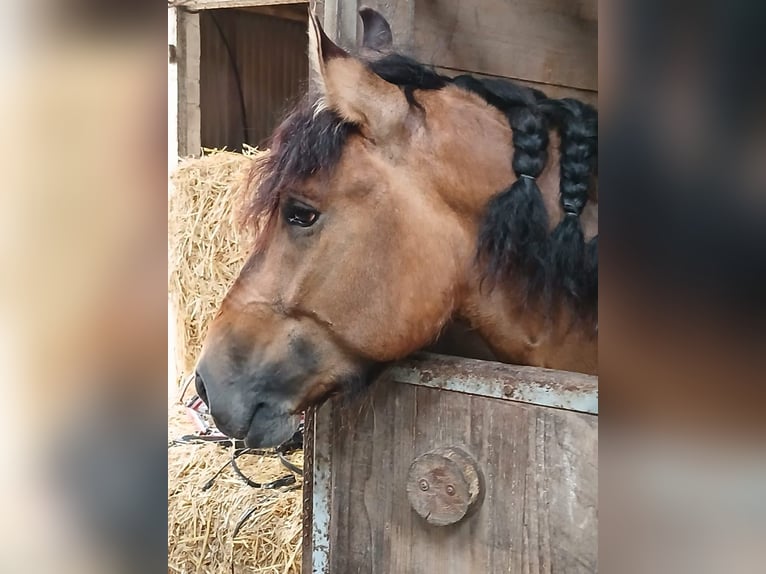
{"x":545,"y":387}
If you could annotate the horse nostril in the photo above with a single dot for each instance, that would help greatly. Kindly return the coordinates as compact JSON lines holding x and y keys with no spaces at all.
{"x":200,"y":386}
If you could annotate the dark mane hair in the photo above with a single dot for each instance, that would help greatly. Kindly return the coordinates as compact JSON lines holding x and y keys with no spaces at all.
{"x":514,"y":240}
{"x":305,"y":144}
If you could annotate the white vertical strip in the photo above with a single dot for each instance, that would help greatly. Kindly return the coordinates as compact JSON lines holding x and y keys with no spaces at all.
{"x":172,"y":94}
{"x":322,"y":490}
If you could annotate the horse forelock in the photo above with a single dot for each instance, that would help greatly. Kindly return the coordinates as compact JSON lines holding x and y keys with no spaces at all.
{"x":310,"y":141}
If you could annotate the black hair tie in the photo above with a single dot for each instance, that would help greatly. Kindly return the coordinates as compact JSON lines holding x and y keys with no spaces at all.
{"x":572,"y":207}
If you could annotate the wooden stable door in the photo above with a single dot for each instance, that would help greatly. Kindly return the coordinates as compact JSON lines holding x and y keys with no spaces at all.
{"x":537,"y":508}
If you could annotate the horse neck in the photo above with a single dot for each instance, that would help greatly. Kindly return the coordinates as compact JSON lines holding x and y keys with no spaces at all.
{"x":518,"y":330}
{"x":525,"y":332}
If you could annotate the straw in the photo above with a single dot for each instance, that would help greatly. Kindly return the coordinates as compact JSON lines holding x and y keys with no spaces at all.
{"x":206,"y":251}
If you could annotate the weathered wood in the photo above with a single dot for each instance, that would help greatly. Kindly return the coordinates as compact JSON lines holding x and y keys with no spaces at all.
{"x":217,"y":4}
{"x":339,"y":20}
{"x":322,"y":486}
{"x":172,"y":93}
{"x":546,"y":387}
{"x":550,"y":45}
{"x":308,"y":491}
{"x":539,"y":465}
{"x":294,"y":12}
{"x":544,"y":41}
{"x":444,"y":485}
{"x":188,"y":51}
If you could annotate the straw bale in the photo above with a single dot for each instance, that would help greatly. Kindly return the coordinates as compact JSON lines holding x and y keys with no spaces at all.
{"x":206,"y":251}
{"x":206,"y":246}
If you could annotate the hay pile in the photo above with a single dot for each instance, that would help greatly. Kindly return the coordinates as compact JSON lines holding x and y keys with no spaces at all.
{"x":207,"y":248}
{"x":206,"y":252}
{"x":201,"y":523}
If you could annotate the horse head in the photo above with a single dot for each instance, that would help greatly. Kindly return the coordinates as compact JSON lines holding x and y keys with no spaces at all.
{"x":374,"y":204}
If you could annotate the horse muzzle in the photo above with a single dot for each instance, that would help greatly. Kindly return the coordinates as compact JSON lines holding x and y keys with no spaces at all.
{"x":241,"y":412}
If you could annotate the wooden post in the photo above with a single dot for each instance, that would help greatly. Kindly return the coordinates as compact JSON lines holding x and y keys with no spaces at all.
{"x":188,"y":51}
{"x":337,"y":23}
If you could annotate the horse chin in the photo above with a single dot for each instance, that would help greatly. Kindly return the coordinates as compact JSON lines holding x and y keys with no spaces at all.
{"x":271,"y":428}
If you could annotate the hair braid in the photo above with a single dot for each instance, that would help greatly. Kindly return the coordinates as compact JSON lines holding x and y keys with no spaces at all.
{"x":513,"y":234}
{"x":571,"y":264}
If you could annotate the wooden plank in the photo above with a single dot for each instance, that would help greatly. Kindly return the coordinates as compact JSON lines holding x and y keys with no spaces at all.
{"x":339,"y":20}
{"x":534,"y":385}
{"x":408,"y":18}
{"x":172,"y":104}
{"x":294,"y":12}
{"x":341,"y":23}
{"x":321,"y":488}
{"x":540,"y":477}
{"x":544,"y":41}
{"x":308,"y":491}
{"x":217,"y":4}
{"x":188,"y":53}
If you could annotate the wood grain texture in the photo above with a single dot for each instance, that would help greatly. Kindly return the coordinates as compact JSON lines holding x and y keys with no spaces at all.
{"x":543,"y":41}
{"x":189,"y":113}
{"x":218,"y":4}
{"x":444,"y":485}
{"x":308,"y":491}
{"x":539,"y":466}
{"x":547,"y":44}
{"x":534,"y":385}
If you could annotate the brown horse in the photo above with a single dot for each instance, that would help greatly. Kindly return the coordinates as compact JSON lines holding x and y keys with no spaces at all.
{"x":397,"y":200}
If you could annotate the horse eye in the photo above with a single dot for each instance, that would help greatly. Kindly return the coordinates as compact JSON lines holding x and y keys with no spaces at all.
{"x":300,"y":215}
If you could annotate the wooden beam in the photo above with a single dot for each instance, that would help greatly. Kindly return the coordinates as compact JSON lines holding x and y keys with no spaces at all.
{"x":533,"y":385}
{"x":216,"y":4}
{"x":549,"y":42}
{"x":172,"y":90}
{"x":189,"y":115}
{"x":292,"y":12}
{"x":308,"y":490}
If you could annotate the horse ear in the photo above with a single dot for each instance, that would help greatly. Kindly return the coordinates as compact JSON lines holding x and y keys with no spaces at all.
{"x":377,"y":31}
{"x":346,"y":85}
{"x":321,"y":49}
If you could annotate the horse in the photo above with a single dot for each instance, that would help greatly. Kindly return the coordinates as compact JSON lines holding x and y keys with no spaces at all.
{"x":396,"y":201}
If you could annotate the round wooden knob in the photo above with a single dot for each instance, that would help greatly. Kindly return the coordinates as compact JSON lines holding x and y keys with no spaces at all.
{"x":444,"y":485}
